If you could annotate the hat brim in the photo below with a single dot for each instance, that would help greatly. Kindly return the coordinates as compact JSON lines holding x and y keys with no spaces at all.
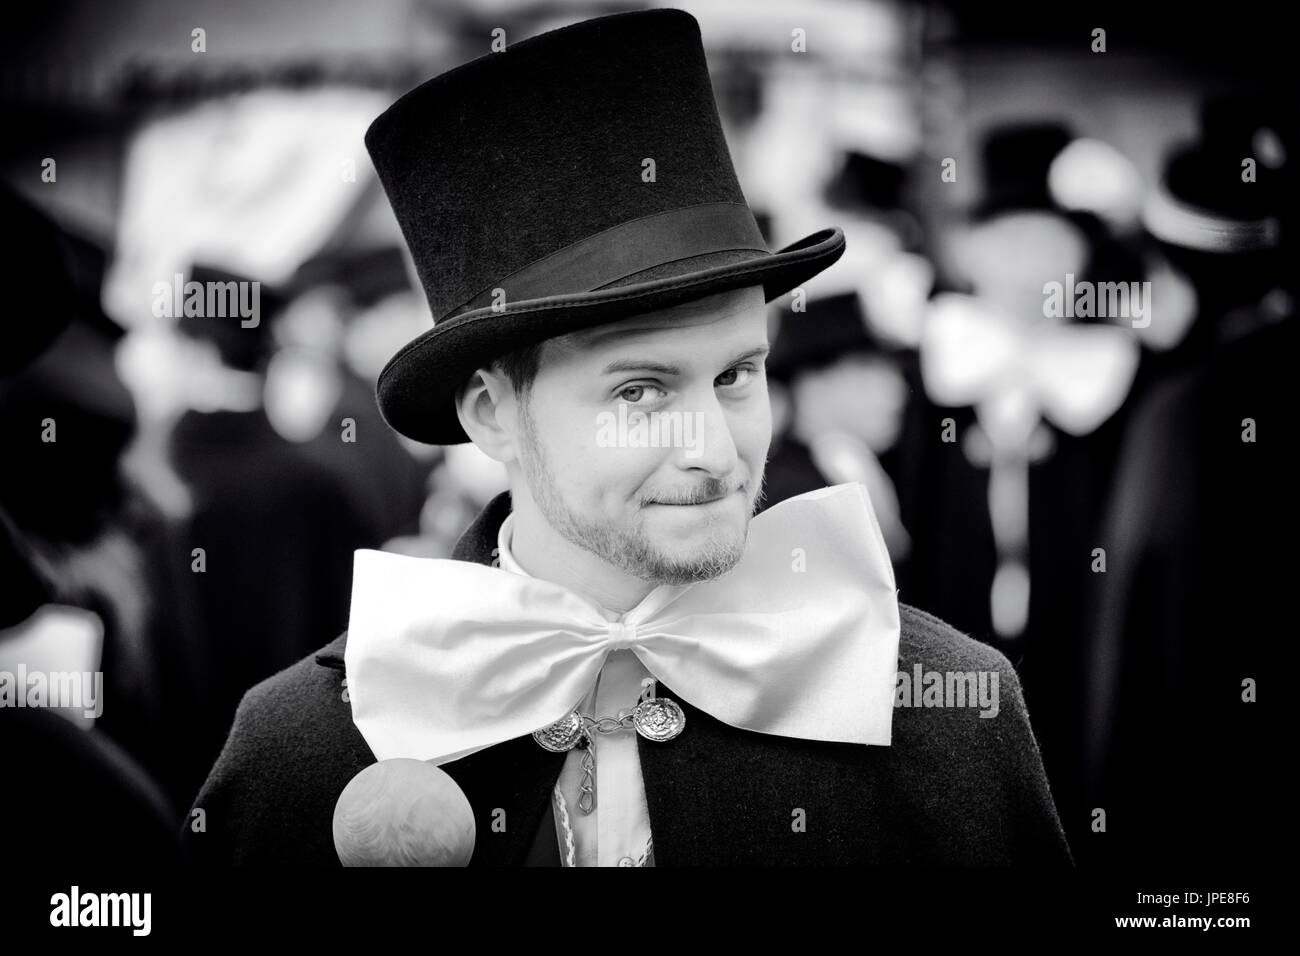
{"x":417,"y":388}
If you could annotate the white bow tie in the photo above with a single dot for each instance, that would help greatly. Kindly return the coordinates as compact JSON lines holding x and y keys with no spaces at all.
{"x":800,"y":639}
{"x":1073,"y":374}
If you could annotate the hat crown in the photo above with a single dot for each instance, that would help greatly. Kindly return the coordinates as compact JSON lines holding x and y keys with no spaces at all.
{"x":517,"y":155}
{"x":576,"y":178}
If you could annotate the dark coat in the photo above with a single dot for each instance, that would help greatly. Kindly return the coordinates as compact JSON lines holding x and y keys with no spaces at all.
{"x":953,"y":787}
{"x":279,"y":522}
{"x":1195,"y":599}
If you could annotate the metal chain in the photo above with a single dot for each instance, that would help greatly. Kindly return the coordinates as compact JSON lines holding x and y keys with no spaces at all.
{"x":609,"y":725}
{"x":602,"y":725}
{"x":624,"y":718}
{"x":587,"y":787}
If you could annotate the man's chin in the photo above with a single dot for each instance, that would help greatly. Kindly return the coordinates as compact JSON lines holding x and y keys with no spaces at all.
{"x":687,"y":562}
{"x":687,"y":572}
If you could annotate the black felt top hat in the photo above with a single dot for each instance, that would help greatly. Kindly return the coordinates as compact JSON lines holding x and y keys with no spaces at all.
{"x":520,"y":183}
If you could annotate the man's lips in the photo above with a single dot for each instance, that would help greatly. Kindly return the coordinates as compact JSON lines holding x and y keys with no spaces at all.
{"x":692,"y":504}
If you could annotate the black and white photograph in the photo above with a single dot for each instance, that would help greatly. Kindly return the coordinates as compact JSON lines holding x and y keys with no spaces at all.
{"x":836,"y":434}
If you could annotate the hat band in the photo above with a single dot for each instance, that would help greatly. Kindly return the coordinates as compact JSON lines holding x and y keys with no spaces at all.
{"x":1191,"y":227}
{"x":627,"y":249}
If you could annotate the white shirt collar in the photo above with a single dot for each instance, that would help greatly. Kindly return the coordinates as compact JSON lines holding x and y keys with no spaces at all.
{"x":663,"y":593}
{"x":505,"y":559}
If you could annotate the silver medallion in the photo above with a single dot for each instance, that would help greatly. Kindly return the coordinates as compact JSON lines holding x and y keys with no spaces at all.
{"x":658,"y":719}
{"x":561,"y":736}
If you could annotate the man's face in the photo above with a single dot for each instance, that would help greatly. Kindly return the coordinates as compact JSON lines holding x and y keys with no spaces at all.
{"x":644,"y":441}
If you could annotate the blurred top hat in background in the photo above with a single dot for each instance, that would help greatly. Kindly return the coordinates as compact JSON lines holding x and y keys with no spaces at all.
{"x":865,"y":183}
{"x":38,"y":283}
{"x":1226,"y":193}
{"x":59,"y":388}
{"x":1224,"y":211}
{"x":833,"y":328}
{"x":244,"y":342}
{"x":1016,"y":159}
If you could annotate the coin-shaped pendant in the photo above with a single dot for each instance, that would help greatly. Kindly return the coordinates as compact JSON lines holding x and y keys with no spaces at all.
{"x":658,"y":718}
{"x":562,"y":735}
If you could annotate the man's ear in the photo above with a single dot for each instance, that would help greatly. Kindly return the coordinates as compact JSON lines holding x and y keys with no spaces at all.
{"x":487,"y":409}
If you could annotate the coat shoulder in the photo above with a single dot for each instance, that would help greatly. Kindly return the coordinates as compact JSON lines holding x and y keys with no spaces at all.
{"x":962,"y":729}
{"x":936,"y":644}
{"x":291,"y":750}
{"x":299,"y":695}
{"x":935,"y":661}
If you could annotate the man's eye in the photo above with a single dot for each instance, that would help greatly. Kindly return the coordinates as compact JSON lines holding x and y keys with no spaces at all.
{"x":637,"y":390}
{"x":736,"y":371}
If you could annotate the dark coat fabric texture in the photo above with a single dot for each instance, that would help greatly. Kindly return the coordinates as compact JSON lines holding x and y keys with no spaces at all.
{"x":954,"y":788}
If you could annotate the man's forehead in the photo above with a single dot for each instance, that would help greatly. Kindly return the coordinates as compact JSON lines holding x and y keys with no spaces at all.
{"x":741,"y":310}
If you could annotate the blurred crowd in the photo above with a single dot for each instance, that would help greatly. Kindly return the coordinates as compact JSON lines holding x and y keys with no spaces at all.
{"x":1100,"y":496}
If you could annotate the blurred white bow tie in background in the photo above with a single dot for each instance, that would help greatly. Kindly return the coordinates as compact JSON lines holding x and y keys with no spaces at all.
{"x":1019,"y":371}
{"x":1012,"y":370}
{"x":800,"y":639}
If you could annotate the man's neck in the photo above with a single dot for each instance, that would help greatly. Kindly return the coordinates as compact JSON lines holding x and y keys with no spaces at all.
{"x":544,"y":553}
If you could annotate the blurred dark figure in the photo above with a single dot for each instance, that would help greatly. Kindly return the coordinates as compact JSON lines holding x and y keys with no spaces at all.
{"x":73,"y":503}
{"x":72,"y":796}
{"x":1199,"y":522}
{"x":277,"y":518}
{"x":840,"y":402}
{"x":385,"y":479}
{"x":1004,"y":517}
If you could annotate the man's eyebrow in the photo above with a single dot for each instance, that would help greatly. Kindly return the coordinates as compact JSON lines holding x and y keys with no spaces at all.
{"x":638,"y":365}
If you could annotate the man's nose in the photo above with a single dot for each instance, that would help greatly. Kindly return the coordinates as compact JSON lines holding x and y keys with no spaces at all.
{"x":709,"y":445}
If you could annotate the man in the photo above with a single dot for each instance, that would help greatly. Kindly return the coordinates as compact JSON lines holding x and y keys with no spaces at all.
{"x":1196,"y":440}
{"x":648,"y":677}
{"x":56,"y":605}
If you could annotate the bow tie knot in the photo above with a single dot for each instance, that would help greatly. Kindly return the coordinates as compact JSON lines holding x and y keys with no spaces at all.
{"x":621,"y":635}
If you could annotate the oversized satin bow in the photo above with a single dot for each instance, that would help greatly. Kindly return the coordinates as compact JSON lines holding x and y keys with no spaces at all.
{"x":800,"y":639}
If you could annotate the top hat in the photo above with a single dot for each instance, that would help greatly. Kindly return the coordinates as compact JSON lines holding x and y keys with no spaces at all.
{"x":38,"y":282}
{"x":246,"y":348}
{"x":1017,"y":157}
{"x":834,"y":327}
{"x":866,"y":183}
{"x":522,"y":184}
{"x":1202,"y":202}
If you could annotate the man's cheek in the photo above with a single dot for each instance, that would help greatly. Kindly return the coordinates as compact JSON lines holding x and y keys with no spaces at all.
{"x":753,"y":437}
